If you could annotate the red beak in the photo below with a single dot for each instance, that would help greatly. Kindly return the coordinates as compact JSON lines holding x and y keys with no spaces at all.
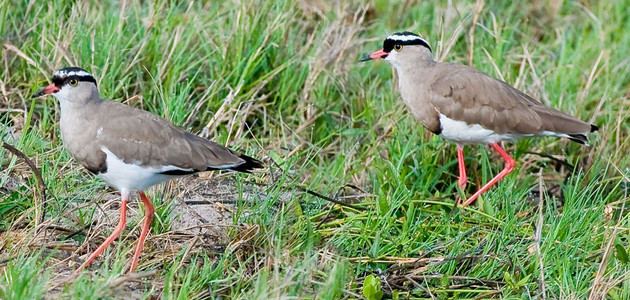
{"x":49,"y":89}
{"x":379,"y":54}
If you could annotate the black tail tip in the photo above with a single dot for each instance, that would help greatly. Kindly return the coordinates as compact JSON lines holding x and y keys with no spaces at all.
{"x":594,"y":128}
{"x":579,"y":138}
{"x":249,"y":164}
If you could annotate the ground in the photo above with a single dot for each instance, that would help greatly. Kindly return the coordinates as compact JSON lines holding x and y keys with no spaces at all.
{"x":356,"y":199}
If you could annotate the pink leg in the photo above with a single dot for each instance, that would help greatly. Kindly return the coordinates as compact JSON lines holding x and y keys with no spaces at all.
{"x":122,"y":223}
{"x":509,"y":167}
{"x":463,"y":179}
{"x":148,"y":217}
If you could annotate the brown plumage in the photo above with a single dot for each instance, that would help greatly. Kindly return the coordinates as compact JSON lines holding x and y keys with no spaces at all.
{"x":139,"y":137}
{"x":129,"y":148}
{"x":466,"y":94}
{"x":466,"y":106}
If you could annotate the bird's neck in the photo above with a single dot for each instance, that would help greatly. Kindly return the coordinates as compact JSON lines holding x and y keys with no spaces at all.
{"x":75,"y":118}
{"x":415,"y":67}
{"x":414,"y":75}
{"x":413,"y":85}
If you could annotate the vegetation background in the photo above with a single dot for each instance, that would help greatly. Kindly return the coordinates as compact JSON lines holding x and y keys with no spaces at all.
{"x":280,"y":80}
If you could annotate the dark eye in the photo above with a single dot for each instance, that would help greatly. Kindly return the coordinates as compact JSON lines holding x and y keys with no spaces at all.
{"x":73,"y":82}
{"x":398,"y":47}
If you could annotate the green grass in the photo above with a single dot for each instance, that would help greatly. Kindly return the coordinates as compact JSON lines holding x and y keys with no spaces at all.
{"x":280,"y":80}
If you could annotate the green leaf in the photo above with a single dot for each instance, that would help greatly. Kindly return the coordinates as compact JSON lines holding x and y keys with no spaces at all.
{"x":523,"y":281}
{"x":383,"y":205}
{"x":508,"y":279}
{"x":376,"y":246}
{"x":488,"y":208}
{"x":372,"y":288}
{"x":353,"y":132}
{"x":622,"y":254}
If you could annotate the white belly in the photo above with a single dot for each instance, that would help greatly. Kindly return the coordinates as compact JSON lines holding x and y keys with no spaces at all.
{"x":129,"y":177}
{"x":462,"y":133}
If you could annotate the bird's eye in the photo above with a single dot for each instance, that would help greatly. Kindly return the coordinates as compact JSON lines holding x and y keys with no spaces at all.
{"x":73,"y":82}
{"x":398,"y":47}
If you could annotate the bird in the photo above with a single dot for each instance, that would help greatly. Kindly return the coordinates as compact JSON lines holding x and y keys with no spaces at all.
{"x":129,"y":148}
{"x":466,"y":106}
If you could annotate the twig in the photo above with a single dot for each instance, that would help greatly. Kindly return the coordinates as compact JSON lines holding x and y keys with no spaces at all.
{"x":428,"y":289}
{"x":186,"y":207}
{"x":563,"y":162}
{"x":6,"y":260}
{"x":487,"y":295}
{"x":477,"y":7}
{"x":316,"y":194}
{"x":58,"y":228}
{"x":130,"y":277}
{"x":80,"y":231}
{"x":486,"y":282}
{"x":597,"y":290}
{"x":310,"y":192}
{"x":41,"y":191}
{"x":538,"y":236}
{"x":416,"y":284}
{"x":187,"y":252}
{"x":206,"y":202}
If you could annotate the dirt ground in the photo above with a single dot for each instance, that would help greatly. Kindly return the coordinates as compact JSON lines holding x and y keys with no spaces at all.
{"x":200,"y":213}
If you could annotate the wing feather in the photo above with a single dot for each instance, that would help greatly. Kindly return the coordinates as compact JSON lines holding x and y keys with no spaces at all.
{"x":463,"y":93}
{"x":137,"y":136}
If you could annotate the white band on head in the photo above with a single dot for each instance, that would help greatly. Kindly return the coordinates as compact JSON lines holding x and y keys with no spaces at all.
{"x":63,"y":73}
{"x":406,"y":38}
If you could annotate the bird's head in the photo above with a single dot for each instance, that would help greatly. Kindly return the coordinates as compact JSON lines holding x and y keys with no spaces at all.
{"x":71,"y":85}
{"x":402,"y":48}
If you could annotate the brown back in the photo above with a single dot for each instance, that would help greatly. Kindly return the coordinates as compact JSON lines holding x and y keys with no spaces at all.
{"x":139,"y":137}
{"x":466,"y":94}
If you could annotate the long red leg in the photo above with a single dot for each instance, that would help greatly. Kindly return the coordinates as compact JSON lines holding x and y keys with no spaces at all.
{"x":463,"y":179}
{"x":148,"y":217}
{"x":122,"y":223}
{"x":509,"y":167}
